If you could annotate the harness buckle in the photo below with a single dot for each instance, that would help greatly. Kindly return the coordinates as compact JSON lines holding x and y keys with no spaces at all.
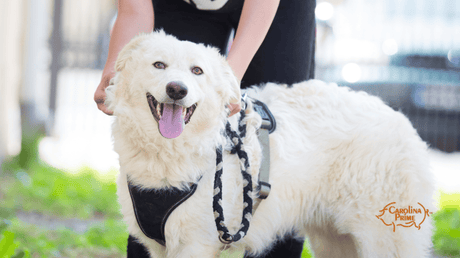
{"x":268,"y":120}
{"x":264,"y":189}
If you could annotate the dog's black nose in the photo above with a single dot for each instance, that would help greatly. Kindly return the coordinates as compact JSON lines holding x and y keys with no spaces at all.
{"x":176,"y":90}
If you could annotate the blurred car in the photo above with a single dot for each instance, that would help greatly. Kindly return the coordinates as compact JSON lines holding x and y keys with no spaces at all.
{"x":406,"y":52}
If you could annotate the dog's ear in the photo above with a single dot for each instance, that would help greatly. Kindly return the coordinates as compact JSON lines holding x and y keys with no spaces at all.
{"x":126,"y":53}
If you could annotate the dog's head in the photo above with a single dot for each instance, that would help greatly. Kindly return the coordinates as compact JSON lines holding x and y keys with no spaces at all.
{"x":176,"y":87}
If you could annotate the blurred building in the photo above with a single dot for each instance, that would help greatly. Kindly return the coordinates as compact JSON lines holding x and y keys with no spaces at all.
{"x":40,"y":39}
{"x":11,"y":62}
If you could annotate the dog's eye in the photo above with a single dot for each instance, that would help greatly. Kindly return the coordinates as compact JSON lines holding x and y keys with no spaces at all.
{"x":159,"y":65}
{"x":197,"y":70}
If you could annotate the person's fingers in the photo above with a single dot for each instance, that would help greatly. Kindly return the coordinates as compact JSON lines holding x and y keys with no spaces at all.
{"x":99,"y":95}
{"x":103,"y":108}
{"x":234,"y":108}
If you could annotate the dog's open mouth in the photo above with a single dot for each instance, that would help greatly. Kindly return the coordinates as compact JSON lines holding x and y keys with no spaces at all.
{"x":171,"y":118}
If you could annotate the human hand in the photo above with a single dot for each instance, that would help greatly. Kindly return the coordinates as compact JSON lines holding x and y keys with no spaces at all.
{"x":99,"y":95}
{"x":234,"y":108}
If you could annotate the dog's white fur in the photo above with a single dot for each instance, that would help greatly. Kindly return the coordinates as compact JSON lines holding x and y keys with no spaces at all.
{"x":338,"y":157}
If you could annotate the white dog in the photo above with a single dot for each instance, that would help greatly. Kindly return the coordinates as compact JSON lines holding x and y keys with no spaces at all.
{"x":347,"y":171}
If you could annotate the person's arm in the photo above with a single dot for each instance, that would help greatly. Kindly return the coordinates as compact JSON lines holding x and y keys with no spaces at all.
{"x":255,"y":20}
{"x":134,"y":17}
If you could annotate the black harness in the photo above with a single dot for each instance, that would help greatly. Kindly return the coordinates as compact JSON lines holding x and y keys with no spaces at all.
{"x":152,"y":207}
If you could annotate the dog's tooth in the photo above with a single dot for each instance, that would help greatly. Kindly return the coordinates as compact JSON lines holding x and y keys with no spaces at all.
{"x":184,"y":112}
{"x":159,"y":109}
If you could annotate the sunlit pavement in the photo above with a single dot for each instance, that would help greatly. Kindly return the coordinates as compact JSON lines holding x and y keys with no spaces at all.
{"x":446,"y":169}
{"x":81,"y":135}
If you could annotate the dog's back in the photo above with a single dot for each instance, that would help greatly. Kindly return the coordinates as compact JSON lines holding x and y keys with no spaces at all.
{"x":338,"y":158}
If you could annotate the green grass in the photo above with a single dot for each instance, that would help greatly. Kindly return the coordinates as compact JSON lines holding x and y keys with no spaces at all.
{"x":43,"y":188}
{"x":29,"y":185}
{"x":306,"y":253}
{"x":105,"y":240}
{"x":446,"y":238}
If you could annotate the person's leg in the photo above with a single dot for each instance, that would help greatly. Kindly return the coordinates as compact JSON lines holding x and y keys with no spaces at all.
{"x":135,"y":249}
{"x":289,"y":247}
{"x":286,"y":56}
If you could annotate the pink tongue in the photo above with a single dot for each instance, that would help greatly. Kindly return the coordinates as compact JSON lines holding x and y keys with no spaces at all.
{"x":171,"y":122}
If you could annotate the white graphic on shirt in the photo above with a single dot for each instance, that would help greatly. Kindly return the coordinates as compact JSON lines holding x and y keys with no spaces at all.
{"x":207,"y":4}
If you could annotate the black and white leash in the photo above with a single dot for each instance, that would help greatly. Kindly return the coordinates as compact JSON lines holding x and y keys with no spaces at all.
{"x":237,"y":148}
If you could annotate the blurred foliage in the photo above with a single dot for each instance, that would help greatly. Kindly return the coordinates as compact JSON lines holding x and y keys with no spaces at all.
{"x":8,"y":246}
{"x":446,"y":238}
{"x":36,"y":186}
{"x":29,"y":148}
{"x":107,"y":239}
{"x":30,"y":185}
{"x":306,"y":253}
{"x":27,"y":184}
{"x":449,"y":200}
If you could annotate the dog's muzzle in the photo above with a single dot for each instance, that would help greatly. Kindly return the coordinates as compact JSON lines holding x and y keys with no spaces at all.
{"x":171,"y":118}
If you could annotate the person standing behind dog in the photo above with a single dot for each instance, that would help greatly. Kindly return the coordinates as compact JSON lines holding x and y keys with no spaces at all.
{"x":274,"y":42}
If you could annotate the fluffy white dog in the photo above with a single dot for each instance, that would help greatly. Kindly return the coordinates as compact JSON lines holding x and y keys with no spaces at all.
{"x":347,"y":171}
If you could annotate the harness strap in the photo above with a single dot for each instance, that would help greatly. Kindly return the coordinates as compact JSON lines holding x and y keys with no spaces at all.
{"x":268,"y":126}
{"x":264,"y":171}
{"x":152,"y":208}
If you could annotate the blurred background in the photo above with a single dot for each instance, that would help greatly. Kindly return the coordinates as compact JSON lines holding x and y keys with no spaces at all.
{"x":51,"y":57}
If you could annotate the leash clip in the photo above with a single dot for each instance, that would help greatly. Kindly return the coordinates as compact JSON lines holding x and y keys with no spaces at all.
{"x":244,"y":99}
